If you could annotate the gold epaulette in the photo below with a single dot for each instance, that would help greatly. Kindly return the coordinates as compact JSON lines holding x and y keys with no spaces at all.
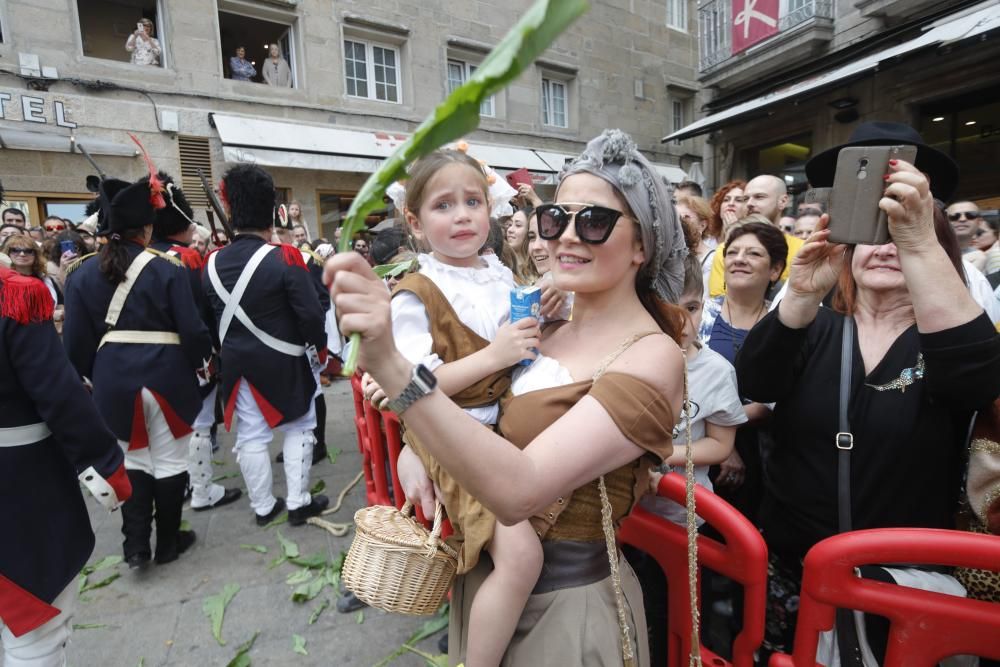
{"x":78,"y":262}
{"x":176,"y":261}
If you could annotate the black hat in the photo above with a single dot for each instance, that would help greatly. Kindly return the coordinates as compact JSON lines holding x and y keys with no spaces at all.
{"x":940,"y":169}
{"x":177,"y":215}
{"x":125,"y":205}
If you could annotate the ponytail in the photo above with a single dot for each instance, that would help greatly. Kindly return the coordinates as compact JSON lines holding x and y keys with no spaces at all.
{"x":113,"y":256}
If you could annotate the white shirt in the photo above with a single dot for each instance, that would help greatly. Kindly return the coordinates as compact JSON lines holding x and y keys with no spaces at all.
{"x":480,"y":296}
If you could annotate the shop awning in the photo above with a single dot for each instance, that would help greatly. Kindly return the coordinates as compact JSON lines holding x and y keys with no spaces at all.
{"x":275,"y":143}
{"x":969,"y":23}
{"x":27,"y":140}
{"x":671,"y":173}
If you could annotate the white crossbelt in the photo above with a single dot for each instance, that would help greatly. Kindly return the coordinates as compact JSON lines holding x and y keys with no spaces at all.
{"x":232,"y":308}
{"x":141,"y":337}
{"x":15,"y":436}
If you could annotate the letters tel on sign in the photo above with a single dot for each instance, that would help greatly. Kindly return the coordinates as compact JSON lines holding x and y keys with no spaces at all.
{"x":753,"y":21}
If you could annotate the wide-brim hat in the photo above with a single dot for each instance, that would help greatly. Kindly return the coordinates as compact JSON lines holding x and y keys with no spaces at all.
{"x":939,"y":167}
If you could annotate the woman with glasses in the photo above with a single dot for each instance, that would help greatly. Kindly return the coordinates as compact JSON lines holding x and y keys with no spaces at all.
{"x":584,"y":421}
{"x":27,"y":259}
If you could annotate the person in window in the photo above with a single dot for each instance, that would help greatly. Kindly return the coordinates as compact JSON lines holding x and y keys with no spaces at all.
{"x":275,"y":69}
{"x":145,"y":48}
{"x":240,"y":68}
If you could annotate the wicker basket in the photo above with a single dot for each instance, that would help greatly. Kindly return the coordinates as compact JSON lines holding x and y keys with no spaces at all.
{"x":395,"y":564}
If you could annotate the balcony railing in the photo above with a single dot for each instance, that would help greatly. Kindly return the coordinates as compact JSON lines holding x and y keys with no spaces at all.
{"x":715,"y":25}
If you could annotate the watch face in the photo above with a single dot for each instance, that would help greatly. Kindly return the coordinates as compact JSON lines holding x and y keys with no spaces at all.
{"x":426,"y":376}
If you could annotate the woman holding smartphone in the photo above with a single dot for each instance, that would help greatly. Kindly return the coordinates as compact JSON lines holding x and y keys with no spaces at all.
{"x":145,"y":48}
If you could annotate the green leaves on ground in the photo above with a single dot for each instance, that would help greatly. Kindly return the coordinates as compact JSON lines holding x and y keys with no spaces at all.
{"x":320,"y":608}
{"x":429,"y":660}
{"x":89,"y":586}
{"x":313,"y":562}
{"x":458,"y":114}
{"x":318,"y":487}
{"x":300,"y":577}
{"x":430,"y":627}
{"x":214,"y":607}
{"x":259,"y":548}
{"x":103,"y":564}
{"x":185,"y":526}
{"x":228,"y":475}
{"x":242,"y":657}
{"x":299,"y":645}
{"x":308,"y":587}
{"x":288,"y":548}
{"x":331,"y":455}
{"x":360,"y":618}
{"x":89,"y":626}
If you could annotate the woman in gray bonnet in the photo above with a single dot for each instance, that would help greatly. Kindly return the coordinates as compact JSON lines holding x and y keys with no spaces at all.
{"x":582,"y":425}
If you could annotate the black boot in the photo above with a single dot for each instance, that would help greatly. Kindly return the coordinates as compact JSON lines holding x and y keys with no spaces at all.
{"x":137,"y":519}
{"x":169,"y":501}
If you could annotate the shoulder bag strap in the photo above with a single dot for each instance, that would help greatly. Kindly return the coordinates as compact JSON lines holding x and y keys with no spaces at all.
{"x":847,"y":633}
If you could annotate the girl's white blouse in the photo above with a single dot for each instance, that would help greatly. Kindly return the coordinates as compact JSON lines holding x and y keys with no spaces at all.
{"x":480,"y":297}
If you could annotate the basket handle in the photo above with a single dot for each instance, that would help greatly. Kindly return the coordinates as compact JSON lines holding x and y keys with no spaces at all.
{"x":434,"y":538}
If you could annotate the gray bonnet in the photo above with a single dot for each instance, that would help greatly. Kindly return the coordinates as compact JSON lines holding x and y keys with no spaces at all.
{"x":614,"y":157}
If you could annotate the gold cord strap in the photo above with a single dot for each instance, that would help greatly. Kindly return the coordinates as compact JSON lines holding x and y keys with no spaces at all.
{"x":694,"y":660}
{"x":616,"y":582}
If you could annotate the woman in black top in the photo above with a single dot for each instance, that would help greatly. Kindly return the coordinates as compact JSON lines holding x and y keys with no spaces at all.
{"x":925,"y":358}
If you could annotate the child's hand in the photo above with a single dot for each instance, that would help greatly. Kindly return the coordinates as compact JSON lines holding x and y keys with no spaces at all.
{"x":514,"y":342}
{"x":552,"y":298}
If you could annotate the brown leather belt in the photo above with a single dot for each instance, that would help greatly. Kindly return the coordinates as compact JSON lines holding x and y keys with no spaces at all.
{"x":569,"y":564}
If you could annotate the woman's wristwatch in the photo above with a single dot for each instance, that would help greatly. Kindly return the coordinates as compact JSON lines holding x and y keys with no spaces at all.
{"x":422,"y":382}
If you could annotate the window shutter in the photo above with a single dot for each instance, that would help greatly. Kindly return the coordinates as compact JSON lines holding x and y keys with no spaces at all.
{"x":195,"y":154}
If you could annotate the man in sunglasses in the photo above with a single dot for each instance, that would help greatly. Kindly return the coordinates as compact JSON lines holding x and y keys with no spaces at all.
{"x":964,"y":217}
{"x":53,"y":226}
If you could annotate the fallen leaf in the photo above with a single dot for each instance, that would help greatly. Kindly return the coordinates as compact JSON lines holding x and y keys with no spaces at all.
{"x":277,"y":522}
{"x":289,"y":548}
{"x":432,"y":626}
{"x":300,"y":577}
{"x":314,"y":562}
{"x":278,"y":560}
{"x":103,"y":564}
{"x":299,"y":645}
{"x":242,"y":657}
{"x":218,"y":463}
{"x":228,"y":475}
{"x":259,"y":548}
{"x":318,"y":487}
{"x":100,"y":584}
{"x":331,"y":455}
{"x":360,"y":618}
{"x":89,"y":626}
{"x":308,"y":591}
{"x":142,"y":662}
{"x":185,"y":526}
{"x":314,"y":616}
{"x":214,"y":607}
{"x":429,"y":660}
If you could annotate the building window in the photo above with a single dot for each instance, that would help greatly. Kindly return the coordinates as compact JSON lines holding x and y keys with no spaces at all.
{"x":677,"y":111}
{"x":255,"y":35}
{"x":555,"y":99}
{"x":677,"y":14}
{"x":459,"y":72}
{"x":371,"y":70}
{"x":108,"y":30}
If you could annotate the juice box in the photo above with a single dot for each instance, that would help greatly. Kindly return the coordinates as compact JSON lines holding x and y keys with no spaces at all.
{"x":525,"y":302}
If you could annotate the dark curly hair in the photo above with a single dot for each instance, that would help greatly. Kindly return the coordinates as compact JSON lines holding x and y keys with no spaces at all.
{"x":249,"y":190}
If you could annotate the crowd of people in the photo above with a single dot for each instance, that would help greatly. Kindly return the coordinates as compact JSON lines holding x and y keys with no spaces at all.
{"x":661,"y":312}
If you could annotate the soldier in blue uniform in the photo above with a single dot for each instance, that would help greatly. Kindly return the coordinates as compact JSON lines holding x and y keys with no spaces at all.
{"x":51,"y":440}
{"x":172,"y":231}
{"x":133,"y":330}
{"x":283,"y":234}
{"x":271,"y":327}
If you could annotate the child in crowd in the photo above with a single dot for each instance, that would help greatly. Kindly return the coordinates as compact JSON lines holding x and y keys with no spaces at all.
{"x":453,"y":316}
{"x":714,"y":410}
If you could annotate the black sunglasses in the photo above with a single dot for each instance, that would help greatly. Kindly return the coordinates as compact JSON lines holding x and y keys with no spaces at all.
{"x":21,"y":251}
{"x":594,"y":224}
{"x":968,"y":215}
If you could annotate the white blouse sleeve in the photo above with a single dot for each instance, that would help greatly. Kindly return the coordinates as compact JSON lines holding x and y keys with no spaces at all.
{"x":411,"y":329}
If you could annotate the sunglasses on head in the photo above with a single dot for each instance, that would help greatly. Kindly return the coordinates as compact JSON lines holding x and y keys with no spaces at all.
{"x":968,"y":215}
{"x":593,"y":224}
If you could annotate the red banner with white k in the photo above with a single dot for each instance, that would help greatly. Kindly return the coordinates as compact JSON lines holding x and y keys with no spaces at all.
{"x":753,"y":21}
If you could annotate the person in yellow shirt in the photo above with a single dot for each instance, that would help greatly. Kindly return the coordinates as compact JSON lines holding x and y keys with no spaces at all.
{"x":765,"y":196}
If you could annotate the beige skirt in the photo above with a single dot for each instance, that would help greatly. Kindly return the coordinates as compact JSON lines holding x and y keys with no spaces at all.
{"x":572,"y":626}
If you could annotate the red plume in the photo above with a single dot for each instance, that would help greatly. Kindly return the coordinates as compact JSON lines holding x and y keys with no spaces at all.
{"x":156,"y":188}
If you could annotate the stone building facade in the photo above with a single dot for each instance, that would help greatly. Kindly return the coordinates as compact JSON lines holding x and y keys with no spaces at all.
{"x":363,"y":75}
{"x":805,"y":73}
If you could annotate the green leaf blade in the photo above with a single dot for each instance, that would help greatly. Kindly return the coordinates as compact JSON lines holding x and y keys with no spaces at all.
{"x":299,"y":645}
{"x":214,"y":607}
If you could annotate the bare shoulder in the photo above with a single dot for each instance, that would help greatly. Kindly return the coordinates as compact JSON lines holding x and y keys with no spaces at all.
{"x":656,"y":360}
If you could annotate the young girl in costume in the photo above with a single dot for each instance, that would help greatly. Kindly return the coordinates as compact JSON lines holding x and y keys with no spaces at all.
{"x":454,"y":317}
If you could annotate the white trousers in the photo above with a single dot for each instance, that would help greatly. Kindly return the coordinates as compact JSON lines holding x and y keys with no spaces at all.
{"x":45,"y":646}
{"x":253,"y":435}
{"x":200,"y":470}
{"x":166,"y":455}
